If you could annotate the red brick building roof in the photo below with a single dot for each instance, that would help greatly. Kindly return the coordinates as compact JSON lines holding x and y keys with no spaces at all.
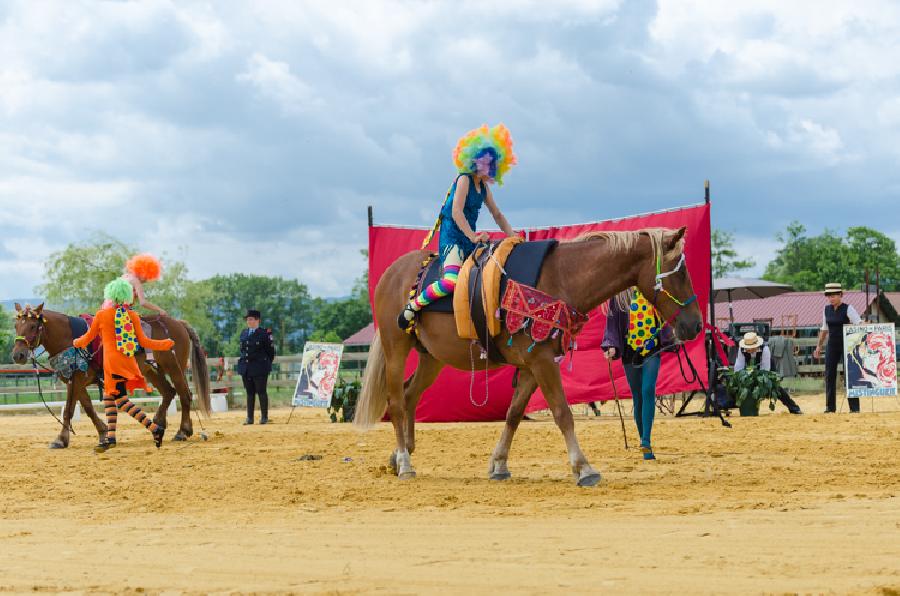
{"x":363,"y":337}
{"x":807,"y":306}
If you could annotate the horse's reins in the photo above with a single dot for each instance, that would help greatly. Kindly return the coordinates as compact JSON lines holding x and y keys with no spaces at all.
{"x":32,"y":343}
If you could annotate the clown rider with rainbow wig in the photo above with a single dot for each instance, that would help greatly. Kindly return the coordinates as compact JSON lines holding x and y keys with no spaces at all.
{"x":482,"y":156}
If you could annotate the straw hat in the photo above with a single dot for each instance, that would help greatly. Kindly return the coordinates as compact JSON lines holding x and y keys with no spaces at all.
{"x":833,"y":289}
{"x":751,"y":340}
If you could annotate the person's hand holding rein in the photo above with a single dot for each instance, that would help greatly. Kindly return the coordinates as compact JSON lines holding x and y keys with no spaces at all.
{"x":609,"y":353}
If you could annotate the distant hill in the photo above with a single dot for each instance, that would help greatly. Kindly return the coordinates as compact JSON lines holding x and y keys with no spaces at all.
{"x":11,"y":303}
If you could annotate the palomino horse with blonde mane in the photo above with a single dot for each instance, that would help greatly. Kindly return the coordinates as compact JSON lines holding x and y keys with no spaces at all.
{"x":584,"y":272}
{"x":38,"y":327}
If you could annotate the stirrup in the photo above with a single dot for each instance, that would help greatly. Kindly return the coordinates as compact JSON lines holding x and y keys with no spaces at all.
{"x":407,"y":325}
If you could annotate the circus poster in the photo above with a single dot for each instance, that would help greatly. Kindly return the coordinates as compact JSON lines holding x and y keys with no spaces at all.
{"x":870,"y":360}
{"x":318,"y":373}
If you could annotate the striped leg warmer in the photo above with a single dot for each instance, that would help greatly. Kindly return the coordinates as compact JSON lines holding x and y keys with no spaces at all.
{"x":127,"y":406}
{"x":438,"y":289}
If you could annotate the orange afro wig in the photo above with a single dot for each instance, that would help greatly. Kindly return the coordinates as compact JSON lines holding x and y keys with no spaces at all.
{"x":145,"y":267}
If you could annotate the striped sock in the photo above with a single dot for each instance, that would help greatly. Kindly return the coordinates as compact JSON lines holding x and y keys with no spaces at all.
{"x":112,"y":415}
{"x":438,"y":289}
{"x":127,"y":406}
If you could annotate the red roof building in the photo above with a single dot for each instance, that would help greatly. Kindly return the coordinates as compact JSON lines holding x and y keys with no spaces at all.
{"x":363,"y":337}
{"x":796,"y":309}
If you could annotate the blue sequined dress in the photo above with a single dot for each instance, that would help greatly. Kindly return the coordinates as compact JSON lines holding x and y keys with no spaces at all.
{"x":451,"y":235}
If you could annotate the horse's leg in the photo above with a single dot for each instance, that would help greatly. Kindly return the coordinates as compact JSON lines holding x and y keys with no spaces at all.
{"x":62,"y":440}
{"x":525,"y":387}
{"x":395,"y":365}
{"x":425,"y":374}
{"x":546,"y":372}
{"x":81,"y":391}
{"x":184,"y":395}
{"x":158,"y":380}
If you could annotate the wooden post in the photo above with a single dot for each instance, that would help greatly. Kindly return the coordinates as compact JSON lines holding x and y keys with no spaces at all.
{"x":371,"y":216}
{"x":710,"y":348}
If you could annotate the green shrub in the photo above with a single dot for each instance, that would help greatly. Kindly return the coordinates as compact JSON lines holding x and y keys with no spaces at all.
{"x":753,"y":383}
{"x":343,"y":401}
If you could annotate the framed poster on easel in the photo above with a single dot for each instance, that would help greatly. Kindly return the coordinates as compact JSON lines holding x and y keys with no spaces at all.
{"x":318,"y":374}
{"x":870,"y":360}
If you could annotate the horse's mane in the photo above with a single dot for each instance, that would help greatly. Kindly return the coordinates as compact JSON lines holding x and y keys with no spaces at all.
{"x":622,"y":241}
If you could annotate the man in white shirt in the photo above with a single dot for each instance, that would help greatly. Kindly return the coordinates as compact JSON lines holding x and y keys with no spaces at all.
{"x":753,"y":349}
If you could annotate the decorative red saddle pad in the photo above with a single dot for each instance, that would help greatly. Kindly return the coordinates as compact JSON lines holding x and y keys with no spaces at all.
{"x":525,"y":305}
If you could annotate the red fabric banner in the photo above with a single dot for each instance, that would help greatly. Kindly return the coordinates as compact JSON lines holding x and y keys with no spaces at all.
{"x":449,"y":399}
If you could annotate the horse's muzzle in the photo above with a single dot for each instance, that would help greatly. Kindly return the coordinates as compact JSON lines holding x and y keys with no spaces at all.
{"x":688,"y":328}
{"x":19,"y":355}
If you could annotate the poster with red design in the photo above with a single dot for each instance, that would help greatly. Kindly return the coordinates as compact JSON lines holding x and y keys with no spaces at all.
{"x":318,"y":374}
{"x":870,"y":360}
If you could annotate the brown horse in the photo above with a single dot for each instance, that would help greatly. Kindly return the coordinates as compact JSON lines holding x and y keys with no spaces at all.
{"x":585,"y":272}
{"x":52,"y":331}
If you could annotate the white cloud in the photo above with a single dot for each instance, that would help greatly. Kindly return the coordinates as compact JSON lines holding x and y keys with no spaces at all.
{"x":274,"y":80}
{"x":253,"y":135}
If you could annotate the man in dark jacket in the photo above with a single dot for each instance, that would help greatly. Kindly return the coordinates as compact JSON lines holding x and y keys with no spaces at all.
{"x":255,"y":364}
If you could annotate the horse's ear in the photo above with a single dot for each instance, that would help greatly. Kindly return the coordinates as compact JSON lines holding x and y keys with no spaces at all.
{"x":40,"y":308}
{"x":673,"y":240}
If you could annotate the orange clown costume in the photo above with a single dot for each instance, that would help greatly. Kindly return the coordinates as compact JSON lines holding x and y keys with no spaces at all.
{"x":120,"y":331}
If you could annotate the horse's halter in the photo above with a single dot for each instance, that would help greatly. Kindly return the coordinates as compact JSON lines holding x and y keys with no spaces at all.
{"x":35,"y":340}
{"x":658,"y":286}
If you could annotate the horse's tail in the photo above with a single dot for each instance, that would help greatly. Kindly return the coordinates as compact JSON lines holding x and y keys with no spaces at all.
{"x":373,"y":397}
{"x":200,"y":370}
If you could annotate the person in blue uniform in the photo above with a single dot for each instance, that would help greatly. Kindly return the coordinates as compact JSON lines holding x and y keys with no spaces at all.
{"x":837,"y":314}
{"x":255,"y":364}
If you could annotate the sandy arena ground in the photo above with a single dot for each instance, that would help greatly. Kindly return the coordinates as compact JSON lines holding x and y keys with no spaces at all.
{"x":780,"y":503}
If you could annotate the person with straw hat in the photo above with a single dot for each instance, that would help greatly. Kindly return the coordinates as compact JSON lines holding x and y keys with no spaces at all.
{"x":837,"y":314}
{"x":753,"y":350}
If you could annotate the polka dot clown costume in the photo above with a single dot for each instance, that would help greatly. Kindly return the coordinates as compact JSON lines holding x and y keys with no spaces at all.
{"x":120,"y":332}
{"x":636,"y":334}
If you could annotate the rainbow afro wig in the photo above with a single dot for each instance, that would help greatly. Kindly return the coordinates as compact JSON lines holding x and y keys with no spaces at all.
{"x":119,"y":291}
{"x":480,"y":142}
{"x":145,"y":267}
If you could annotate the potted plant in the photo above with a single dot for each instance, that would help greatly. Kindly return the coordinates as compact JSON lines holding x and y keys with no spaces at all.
{"x":750,"y":386}
{"x":343,"y":401}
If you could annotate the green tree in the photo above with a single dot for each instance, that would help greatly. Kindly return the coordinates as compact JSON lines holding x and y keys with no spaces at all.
{"x":343,"y":318}
{"x":285,"y":306}
{"x":809,"y":262}
{"x":74,"y":279}
{"x":724,"y":257}
{"x":325,"y":336}
{"x":7,"y":334}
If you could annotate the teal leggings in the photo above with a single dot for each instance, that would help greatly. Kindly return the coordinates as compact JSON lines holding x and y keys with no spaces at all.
{"x":642,"y":381}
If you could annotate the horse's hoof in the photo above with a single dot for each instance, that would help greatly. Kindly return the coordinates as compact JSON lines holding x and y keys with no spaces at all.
{"x":179,"y":437}
{"x":501,"y":476}
{"x":58,"y":445}
{"x":407,"y":475}
{"x":589,"y":480}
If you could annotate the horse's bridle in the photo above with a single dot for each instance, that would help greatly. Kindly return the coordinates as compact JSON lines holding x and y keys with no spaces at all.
{"x":658,"y":287}
{"x":35,"y":340}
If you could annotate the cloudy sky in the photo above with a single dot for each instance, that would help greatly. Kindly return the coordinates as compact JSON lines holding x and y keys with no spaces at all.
{"x":251,"y":136}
